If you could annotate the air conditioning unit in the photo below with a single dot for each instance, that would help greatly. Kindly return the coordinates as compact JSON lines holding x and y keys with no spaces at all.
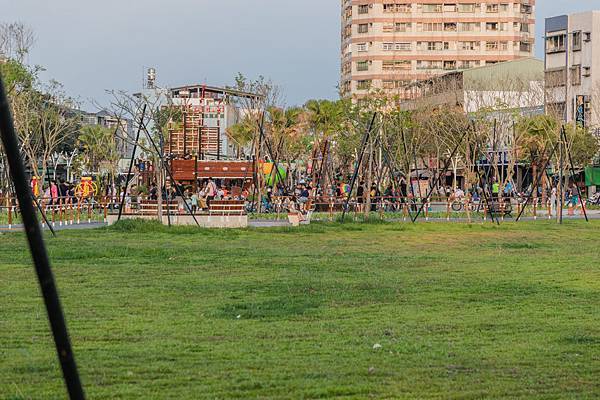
{"x":587,"y":71}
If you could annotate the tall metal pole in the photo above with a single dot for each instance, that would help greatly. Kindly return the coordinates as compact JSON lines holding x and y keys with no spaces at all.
{"x":38,"y":251}
{"x":358,"y":163}
{"x":128,"y":177}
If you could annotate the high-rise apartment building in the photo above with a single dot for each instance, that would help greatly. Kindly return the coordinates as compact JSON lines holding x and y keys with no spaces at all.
{"x":572,"y":63}
{"x":388,"y":43}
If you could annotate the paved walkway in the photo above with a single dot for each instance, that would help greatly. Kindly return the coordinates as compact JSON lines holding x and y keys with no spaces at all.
{"x":271,"y":223}
{"x":83,"y":225}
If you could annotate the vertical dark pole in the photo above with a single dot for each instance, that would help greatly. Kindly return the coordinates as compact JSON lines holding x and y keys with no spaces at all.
{"x":564,"y":135}
{"x":363,"y":145}
{"x":412,"y":189}
{"x":218,"y":143}
{"x":200,"y":152}
{"x":417,"y":172}
{"x":184,"y":133}
{"x":38,"y":251}
{"x":128,"y":177}
{"x":43,"y":214}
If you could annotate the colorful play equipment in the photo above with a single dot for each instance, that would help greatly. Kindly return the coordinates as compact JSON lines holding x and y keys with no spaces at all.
{"x":35,"y":186}
{"x":86,"y":188}
{"x":272,"y":178}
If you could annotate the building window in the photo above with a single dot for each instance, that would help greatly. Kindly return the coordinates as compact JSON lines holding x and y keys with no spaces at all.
{"x":434,"y":46}
{"x":576,"y":75}
{"x":432,"y":8}
{"x":362,"y":66}
{"x":450,"y":8}
{"x":466,"y":8}
{"x":387,"y":84}
{"x":396,"y":65}
{"x":555,"y":44}
{"x":397,"y":8}
{"x":431,"y":27}
{"x":364,"y":84}
{"x":491,"y":46}
{"x":427,"y":64}
{"x":526,"y":9}
{"x":555,"y":77}
{"x":404,"y":46}
{"x":577,"y":41}
{"x":363,"y":9}
{"x":492,"y":26}
{"x":363,"y":28}
{"x":361,"y":47}
{"x":450,"y":26}
{"x":525,"y":47}
{"x":491,"y":8}
{"x":468,"y":46}
{"x":402,"y":26}
{"x":449,"y":65}
{"x":468,"y":64}
{"x":470,"y":26}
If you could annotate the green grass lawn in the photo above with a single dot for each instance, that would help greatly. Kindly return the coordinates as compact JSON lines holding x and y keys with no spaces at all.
{"x":460,"y":311}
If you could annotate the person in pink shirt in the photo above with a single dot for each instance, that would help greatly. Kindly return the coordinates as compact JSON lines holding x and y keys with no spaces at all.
{"x":54,"y":192}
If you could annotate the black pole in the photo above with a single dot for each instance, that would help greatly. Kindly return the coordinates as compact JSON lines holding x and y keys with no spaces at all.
{"x":359,"y":162}
{"x":446,"y":165}
{"x":38,"y":252}
{"x":536,"y":181}
{"x":412,"y":189}
{"x":270,"y":150}
{"x":43,"y":215}
{"x":417,"y":172}
{"x":564,"y":135}
{"x":128,"y":177}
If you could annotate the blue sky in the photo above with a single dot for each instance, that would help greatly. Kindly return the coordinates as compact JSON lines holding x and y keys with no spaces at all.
{"x":91,"y":46}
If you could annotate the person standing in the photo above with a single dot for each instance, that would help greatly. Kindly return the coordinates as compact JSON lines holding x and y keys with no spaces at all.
{"x":553,"y":199}
{"x":495,"y":190}
{"x":211,"y":191}
{"x":53,"y":193}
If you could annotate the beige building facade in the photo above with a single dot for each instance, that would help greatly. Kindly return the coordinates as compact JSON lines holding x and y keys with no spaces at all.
{"x":387,"y":44}
{"x":572,"y":62}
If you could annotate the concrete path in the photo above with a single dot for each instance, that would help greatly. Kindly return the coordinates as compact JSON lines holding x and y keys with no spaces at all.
{"x":19,"y":227}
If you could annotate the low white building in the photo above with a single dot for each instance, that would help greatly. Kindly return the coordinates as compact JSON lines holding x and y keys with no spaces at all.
{"x":510,"y":86}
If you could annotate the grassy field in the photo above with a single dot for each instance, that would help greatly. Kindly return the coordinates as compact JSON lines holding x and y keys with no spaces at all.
{"x":325,"y":311}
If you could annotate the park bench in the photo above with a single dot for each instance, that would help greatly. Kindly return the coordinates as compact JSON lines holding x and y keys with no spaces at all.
{"x":227,"y":207}
{"x":150,"y":207}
